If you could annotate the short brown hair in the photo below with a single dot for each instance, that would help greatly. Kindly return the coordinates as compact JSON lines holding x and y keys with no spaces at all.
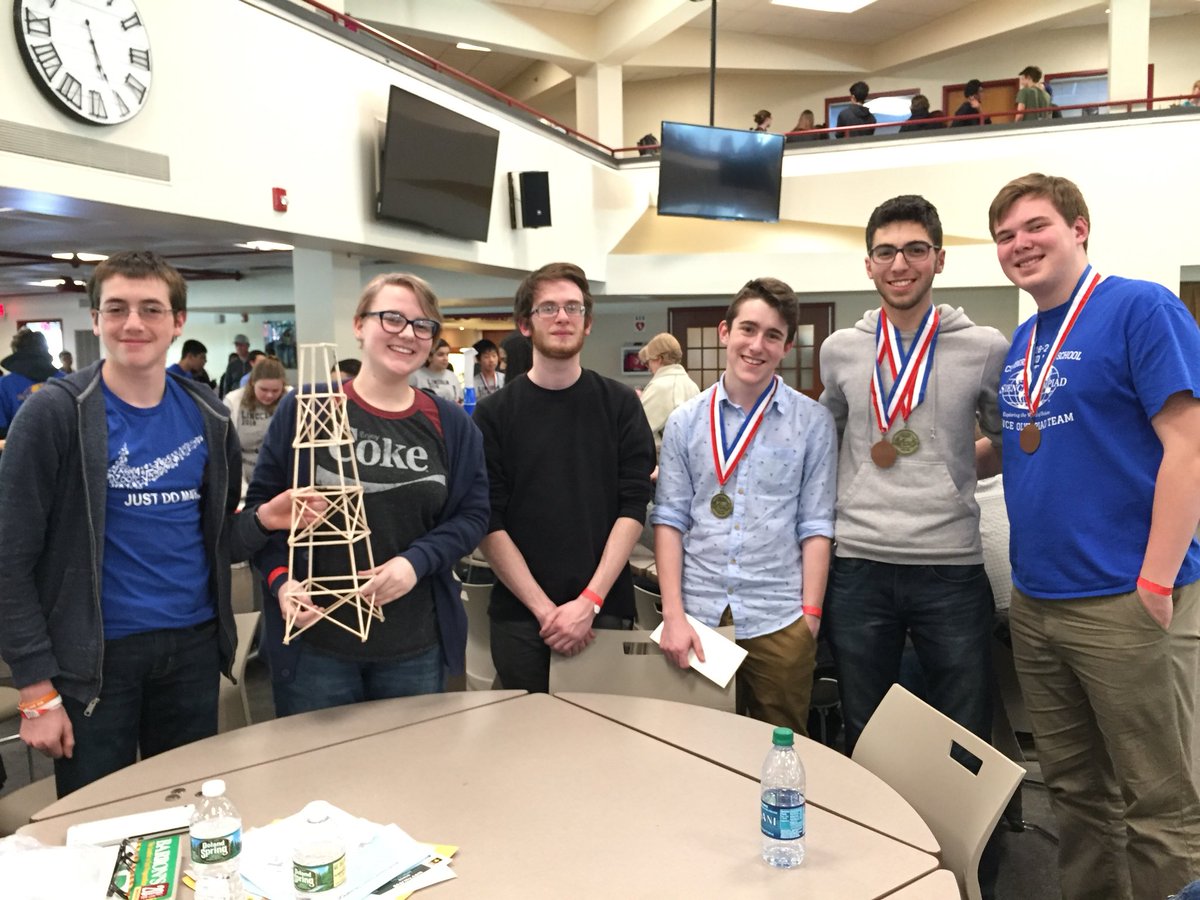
{"x":662,"y":346}
{"x":776,"y":294}
{"x":559,"y":271}
{"x":426,"y":298}
{"x":137,"y":264}
{"x":1063,"y":193}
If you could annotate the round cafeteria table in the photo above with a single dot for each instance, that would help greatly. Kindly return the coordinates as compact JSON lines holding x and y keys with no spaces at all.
{"x":545,"y":798}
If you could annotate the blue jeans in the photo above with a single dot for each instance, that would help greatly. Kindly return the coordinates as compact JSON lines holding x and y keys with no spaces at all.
{"x":322,"y":681}
{"x":947,"y":611}
{"x":159,"y":692}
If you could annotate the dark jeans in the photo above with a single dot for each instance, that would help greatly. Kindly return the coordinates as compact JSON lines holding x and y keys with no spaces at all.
{"x":946,"y":610}
{"x":522,"y":658}
{"x":159,"y":692}
{"x":322,"y":681}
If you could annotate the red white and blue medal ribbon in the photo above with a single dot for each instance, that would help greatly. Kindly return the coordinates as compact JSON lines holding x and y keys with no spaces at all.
{"x":1083,"y":292}
{"x":909,"y":369}
{"x":727,"y":456}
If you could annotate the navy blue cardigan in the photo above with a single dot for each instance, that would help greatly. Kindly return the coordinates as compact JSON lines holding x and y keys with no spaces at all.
{"x":459,"y":529}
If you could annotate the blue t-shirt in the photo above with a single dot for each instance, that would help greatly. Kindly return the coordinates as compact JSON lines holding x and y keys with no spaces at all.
{"x":1080,"y":506}
{"x":155,"y":568}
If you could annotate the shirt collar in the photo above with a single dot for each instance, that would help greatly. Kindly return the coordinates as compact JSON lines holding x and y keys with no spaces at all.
{"x":723,"y":396}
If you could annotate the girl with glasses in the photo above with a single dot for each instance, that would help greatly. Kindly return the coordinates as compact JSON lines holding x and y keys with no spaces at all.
{"x":420,"y":464}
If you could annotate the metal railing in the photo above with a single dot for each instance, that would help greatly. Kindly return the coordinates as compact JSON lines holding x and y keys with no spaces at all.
{"x":355,"y":26}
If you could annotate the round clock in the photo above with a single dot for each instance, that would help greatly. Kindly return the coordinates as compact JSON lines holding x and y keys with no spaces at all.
{"x":91,"y":58}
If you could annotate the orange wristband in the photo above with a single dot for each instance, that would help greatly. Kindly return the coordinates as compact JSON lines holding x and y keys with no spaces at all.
{"x":597,"y":600}
{"x":40,"y":701}
{"x":811,"y":611}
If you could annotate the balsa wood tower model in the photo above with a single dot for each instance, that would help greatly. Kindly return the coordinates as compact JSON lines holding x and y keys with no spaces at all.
{"x":322,"y":422}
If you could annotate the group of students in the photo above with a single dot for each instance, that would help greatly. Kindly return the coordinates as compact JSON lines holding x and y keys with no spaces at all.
{"x":119,"y":499}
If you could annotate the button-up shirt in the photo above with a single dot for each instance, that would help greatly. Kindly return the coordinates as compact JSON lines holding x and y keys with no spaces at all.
{"x":783,"y":492}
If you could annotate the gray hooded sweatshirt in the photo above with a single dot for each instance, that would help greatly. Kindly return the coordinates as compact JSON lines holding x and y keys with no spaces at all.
{"x":922,"y":510}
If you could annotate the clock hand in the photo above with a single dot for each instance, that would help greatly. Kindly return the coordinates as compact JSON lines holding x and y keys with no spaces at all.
{"x":96,"y":53}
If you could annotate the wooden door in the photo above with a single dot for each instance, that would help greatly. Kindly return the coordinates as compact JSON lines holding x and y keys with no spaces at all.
{"x":704,"y":357}
{"x":998,"y":97}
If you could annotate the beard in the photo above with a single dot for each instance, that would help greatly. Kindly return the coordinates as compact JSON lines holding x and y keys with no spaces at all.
{"x":550,"y":348}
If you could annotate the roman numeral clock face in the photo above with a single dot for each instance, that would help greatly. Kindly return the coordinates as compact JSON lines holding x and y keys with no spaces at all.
{"x":91,"y":58}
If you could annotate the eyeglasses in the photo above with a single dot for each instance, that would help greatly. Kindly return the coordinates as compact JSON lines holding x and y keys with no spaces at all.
{"x":394,"y":323}
{"x":551,"y":310}
{"x":147,"y":312}
{"x":914,"y":252}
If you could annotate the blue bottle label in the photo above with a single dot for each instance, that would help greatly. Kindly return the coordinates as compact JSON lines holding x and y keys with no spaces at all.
{"x":783,"y":823}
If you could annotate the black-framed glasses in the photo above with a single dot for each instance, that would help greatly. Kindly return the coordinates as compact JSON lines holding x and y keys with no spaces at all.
{"x":551,"y":310}
{"x":147,"y":312}
{"x":394,"y":323}
{"x":914,"y":252}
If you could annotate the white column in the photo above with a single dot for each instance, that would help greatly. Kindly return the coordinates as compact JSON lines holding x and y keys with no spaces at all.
{"x":326,"y":287}
{"x":599,"y":104}
{"x":1128,"y":49}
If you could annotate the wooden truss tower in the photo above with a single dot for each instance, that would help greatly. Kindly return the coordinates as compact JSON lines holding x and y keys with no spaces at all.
{"x":322,"y":422}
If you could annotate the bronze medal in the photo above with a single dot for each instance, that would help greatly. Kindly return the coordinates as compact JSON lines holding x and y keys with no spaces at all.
{"x":883,"y":454}
{"x":906,"y":442}
{"x":721,"y":505}
{"x":1031,"y":438}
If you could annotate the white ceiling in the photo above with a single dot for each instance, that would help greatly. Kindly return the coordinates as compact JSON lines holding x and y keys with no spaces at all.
{"x":38,"y":225}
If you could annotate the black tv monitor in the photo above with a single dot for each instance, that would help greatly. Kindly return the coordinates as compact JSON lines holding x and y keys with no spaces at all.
{"x":437,"y":168}
{"x":719,"y":173}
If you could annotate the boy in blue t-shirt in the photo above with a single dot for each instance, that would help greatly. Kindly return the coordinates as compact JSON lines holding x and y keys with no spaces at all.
{"x":117,"y":499}
{"x":1100,"y":407}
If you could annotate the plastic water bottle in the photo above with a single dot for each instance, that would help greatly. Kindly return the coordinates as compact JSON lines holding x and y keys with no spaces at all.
{"x":783,"y":803}
{"x":215,"y":835}
{"x":319,"y":857}
{"x":469,"y":400}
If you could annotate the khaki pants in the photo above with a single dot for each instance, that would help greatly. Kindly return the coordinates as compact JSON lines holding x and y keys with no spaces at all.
{"x":1111,"y":696}
{"x":774,"y":684}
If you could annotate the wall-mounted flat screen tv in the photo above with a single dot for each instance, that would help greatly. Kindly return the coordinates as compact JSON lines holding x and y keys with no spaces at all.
{"x":719,"y":173}
{"x":437,"y":168}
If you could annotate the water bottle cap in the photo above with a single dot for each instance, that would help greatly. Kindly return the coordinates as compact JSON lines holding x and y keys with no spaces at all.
{"x":316,"y":811}
{"x":782,"y":737}
{"x":213,"y":788}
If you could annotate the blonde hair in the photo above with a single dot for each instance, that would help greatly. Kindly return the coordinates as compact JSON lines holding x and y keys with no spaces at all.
{"x":265,"y":369}
{"x":426,"y":298}
{"x":662,"y":346}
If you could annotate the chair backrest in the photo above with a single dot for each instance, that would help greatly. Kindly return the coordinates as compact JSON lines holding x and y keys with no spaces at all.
{"x":630,"y":664}
{"x":481,"y":673}
{"x":233,"y":703}
{"x":649,"y":608}
{"x":908,"y":744}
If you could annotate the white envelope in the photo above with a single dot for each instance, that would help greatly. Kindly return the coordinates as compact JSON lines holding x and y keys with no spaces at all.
{"x":721,"y":655}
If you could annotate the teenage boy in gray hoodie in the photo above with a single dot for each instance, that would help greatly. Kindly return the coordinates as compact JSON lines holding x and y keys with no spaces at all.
{"x":906,"y":386}
{"x":118,"y":490}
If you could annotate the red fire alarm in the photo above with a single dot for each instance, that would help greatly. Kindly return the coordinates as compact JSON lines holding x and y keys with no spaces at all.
{"x":279,"y":201}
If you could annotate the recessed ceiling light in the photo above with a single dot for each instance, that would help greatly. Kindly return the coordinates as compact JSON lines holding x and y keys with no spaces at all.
{"x":49,"y":282}
{"x":836,"y":6}
{"x":83,"y":257}
{"x":265,"y":245}
{"x":463,"y":45}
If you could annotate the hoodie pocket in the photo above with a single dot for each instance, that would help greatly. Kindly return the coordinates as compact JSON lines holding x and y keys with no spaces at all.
{"x":914,"y":501}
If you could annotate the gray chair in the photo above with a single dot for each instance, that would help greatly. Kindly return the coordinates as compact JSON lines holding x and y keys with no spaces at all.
{"x":649,"y":608}
{"x":630,"y":664}
{"x":17,"y":808}
{"x":233,"y":702}
{"x":481,"y":673}
{"x":909,"y":744}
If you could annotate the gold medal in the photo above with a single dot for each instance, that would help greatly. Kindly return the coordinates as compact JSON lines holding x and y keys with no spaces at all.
{"x":721,"y":505}
{"x":1031,"y":438}
{"x":906,"y":442}
{"x":883,"y":454}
